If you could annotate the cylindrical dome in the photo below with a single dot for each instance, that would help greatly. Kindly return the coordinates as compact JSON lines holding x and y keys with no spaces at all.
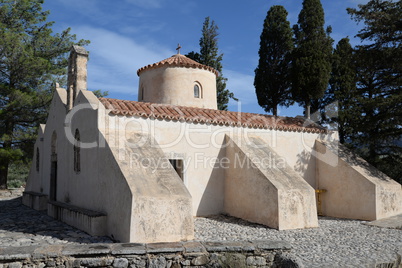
{"x":178,"y":80}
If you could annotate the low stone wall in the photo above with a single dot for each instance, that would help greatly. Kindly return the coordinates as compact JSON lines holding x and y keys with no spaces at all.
{"x":91,"y":222}
{"x":158,"y":255}
{"x":34,"y":200}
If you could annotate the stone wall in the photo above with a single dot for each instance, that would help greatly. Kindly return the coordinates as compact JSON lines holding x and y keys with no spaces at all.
{"x":158,"y":255}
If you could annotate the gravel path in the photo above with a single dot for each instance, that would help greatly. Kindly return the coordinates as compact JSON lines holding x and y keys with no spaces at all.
{"x":336,"y":243}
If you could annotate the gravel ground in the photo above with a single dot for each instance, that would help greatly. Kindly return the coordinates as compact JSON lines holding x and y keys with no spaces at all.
{"x":336,"y":243}
{"x":22,"y":226}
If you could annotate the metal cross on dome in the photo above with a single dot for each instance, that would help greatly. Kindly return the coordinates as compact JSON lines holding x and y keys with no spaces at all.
{"x":178,"y":48}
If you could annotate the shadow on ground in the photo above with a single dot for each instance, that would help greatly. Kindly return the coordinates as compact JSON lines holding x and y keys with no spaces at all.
{"x":224,"y":218}
{"x":20,"y":222}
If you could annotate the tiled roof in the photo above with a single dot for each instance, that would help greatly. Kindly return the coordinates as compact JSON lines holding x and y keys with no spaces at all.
{"x":178,"y":60}
{"x":209,"y":116}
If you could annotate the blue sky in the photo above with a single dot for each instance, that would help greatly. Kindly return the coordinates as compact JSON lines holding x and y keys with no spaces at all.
{"x":126,"y":35}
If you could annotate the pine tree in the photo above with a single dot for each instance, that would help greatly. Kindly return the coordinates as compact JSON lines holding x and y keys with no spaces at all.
{"x":272,"y":76}
{"x":312,"y":55}
{"x":209,"y":55}
{"x":378,"y":132}
{"x":383,"y":23}
{"x":32,"y":59}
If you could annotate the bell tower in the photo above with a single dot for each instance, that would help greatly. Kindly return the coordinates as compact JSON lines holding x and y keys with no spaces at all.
{"x":77,"y":73}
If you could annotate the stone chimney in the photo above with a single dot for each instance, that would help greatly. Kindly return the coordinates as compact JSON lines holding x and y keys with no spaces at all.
{"x":77,"y":73}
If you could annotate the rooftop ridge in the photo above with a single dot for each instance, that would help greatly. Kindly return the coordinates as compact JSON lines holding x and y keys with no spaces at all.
{"x":210,"y":116}
{"x":178,"y":60}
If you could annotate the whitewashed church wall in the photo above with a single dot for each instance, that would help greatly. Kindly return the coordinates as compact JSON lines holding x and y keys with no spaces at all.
{"x":200,"y":148}
{"x":35,"y":182}
{"x":54,"y":142}
{"x":99,"y":185}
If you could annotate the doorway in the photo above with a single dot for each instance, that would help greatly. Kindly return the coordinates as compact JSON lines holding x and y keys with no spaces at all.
{"x":53,"y":168}
{"x":53,"y":178}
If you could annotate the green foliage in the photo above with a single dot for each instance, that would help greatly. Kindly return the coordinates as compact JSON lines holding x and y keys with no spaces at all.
{"x":342,"y":88}
{"x":377,"y":132}
{"x":18,"y":174}
{"x":272,"y":76}
{"x":312,"y":55}
{"x":209,"y":55}
{"x":377,"y":127}
{"x":100,"y":94}
{"x":383,"y":23}
{"x":32,"y":59}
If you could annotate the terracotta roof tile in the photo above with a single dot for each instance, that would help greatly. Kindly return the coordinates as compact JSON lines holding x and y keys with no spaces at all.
{"x":209,"y":116}
{"x":177,"y":60}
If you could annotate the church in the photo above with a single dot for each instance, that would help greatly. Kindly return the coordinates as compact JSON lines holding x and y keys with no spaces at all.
{"x":140,"y":171}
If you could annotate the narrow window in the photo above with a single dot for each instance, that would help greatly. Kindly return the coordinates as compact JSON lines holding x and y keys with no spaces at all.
{"x":77,"y":152}
{"x":196,"y":91}
{"x":142,"y":93}
{"x":178,"y":166}
{"x":37,"y":159}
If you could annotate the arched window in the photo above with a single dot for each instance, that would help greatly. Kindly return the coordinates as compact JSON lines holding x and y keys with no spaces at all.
{"x":197,"y":91}
{"x":37,"y":159}
{"x":77,"y":152}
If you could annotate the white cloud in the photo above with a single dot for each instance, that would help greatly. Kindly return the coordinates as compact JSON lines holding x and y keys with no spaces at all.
{"x":114,"y":59}
{"x":242,"y":85}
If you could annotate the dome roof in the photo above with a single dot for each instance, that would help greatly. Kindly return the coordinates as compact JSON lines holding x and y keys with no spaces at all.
{"x":177,"y":60}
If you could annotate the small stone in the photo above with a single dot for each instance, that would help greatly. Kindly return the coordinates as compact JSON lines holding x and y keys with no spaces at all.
{"x":186,"y":263}
{"x":15,"y":265}
{"x":288,"y":260}
{"x":157,"y":262}
{"x":214,"y":256}
{"x":138,"y":262}
{"x":169,"y":264}
{"x":120,"y":263}
{"x":76,"y":264}
{"x":175,"y":265}
{"x":200,"y":260}
{"x":255,"y":260}
{"x":52,"y":263}
{"x":96,"y":262}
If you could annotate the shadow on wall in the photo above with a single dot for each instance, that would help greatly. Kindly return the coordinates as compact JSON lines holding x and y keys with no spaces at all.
{"x":16,"y":218}
{"x":353,"y":159}
{"x":212,"y":199}
{"x":305,"y":166}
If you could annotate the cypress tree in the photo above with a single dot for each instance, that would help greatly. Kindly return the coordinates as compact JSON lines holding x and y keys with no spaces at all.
{"x":272,"y":76}
{"x":209,"y":55}
{"x":312,"y":55}
{"x":343,"y":87}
